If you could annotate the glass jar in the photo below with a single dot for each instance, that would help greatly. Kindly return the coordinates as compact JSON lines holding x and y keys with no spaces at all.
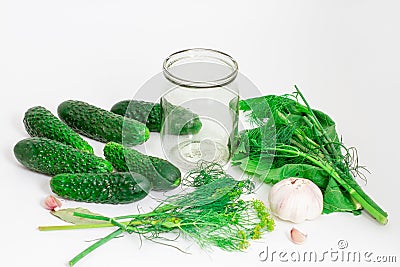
{"x":200,"y":107}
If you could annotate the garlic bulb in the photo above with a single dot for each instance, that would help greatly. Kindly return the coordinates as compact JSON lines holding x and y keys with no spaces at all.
{"x":296,"y":200}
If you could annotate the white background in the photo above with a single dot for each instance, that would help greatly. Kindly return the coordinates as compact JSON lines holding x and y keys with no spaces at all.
{"x":344,"y":55}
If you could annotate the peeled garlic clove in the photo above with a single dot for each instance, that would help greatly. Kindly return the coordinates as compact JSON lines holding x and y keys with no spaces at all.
{"x":52,"y":203}
{"x":297,"y":237}
{"x":296,"y":200}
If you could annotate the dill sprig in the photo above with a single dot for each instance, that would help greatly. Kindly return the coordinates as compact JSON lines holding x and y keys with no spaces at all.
{"x":212,"y":215}
{"x":205,"y":173}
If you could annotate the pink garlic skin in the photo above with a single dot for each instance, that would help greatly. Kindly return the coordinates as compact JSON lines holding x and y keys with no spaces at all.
{"x":52,"y":203}
{"x":296,"y":200}
{"x":297,"y":237}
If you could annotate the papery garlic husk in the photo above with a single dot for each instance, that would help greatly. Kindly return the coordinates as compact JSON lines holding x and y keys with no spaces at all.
{"x":296,"y":200}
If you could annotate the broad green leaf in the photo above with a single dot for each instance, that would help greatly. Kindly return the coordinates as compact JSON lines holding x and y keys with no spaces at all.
{"x":67,"y":215}
{"x":313,"y":173}
{"x":328,"y":124}
{"x":336,"y":199}
{"x":323,"y":118}
{"x":259,"y":167}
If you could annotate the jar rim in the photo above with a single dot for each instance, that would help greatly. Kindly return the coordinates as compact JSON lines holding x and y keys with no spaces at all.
{"x":200,"y":55}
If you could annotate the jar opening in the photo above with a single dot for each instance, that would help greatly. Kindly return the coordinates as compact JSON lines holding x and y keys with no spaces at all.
{"x":200,"y":68}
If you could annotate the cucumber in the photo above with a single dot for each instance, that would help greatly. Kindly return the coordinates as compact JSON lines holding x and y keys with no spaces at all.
{"x":106,"y":188}
{"x":145,"y":112}
{"x":40,"y":122}
{"x":151,"y":114}
{"x":102,"y":125}
{"x":163,"y":174}
{"x":52,"y":157}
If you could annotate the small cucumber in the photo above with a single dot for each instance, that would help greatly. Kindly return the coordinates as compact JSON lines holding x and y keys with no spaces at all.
{"x":163,"y":174}
{"x":146,"y":112}
{"x":151,"y":114}
{"x":51,"y":157}
{"x":102,"y":125}
{"x":106,"y":188}
{"x":40,"y":122}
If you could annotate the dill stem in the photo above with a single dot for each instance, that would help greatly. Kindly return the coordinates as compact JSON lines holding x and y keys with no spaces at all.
{"x":304,"y":149}
{"x":134,"y":216}
{"x":196,"y":223}
{"x":91,"y":216}
{"x":76,"y":226}
{"x":94,"y":246}
{"x":304,"y":138}
{"x":317,"y":123}
{"x":319,"y":134}
{"x":322,"y":132}
{"x":297,"y":133}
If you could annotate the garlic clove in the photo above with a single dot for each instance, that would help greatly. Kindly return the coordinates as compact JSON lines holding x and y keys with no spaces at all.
{"x":52,"y":203}
{"x":297,"y":237}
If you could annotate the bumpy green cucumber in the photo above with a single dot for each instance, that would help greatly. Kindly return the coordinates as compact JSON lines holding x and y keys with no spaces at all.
{"x":163,"y":174}
{"x":51,"y":157}
{"x":151,"y":113}
{"x":108,"y":188}
{"x":102,"y":125}
{"x":40,"y":122}
{"x":145,"y":112}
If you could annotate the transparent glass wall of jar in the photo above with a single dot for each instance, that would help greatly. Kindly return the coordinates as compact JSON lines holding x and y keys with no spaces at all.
{"x":200,"y":107}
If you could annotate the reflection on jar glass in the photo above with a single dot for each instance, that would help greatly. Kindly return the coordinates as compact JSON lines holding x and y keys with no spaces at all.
{"x":200,"y":107}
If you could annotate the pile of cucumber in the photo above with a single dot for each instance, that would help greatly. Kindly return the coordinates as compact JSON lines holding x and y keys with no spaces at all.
{"x":124,"y":175}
